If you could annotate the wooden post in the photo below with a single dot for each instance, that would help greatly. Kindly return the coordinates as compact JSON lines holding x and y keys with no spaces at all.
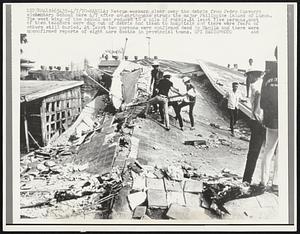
{"x":26,"y":128}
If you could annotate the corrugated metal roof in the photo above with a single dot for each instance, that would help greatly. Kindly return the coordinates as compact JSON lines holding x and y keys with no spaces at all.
{"x":222,"y":77}
{"x":32,"y":90}
{"x":171,"y":66}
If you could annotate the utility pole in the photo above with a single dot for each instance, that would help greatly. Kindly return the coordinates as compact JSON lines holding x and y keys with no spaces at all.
{"x":149,"y":38}
{"x":124,"y":48}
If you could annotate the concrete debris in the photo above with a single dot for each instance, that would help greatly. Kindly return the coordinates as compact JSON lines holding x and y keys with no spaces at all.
{"x":180,"y":212}
{"x":138,"y":183}
{"x":50,"y":163}
{"x":41,"y":167}
{"x":193,"y":186}
{"x":136,"y":199}
{"x":155,"y":184}
{"x":172,"y":185}
{"x":175,"y":197}
{"x":139,"y":212}
{"x":175,"y":173}
{"x":192,"y":199}
{"x":157,"y":199}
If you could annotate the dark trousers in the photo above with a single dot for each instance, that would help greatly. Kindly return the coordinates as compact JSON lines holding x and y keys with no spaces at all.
{"x":154,"y":93}
{"x":258,"y":133}
{"x":177,"y":108}
{"x":233,"y":114}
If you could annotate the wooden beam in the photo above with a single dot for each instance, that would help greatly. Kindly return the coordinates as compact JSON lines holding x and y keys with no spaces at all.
{"x":26,"y":128}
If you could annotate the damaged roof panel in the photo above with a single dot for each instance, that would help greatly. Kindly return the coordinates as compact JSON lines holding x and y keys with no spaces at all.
{"x":32,"y":90}
{"x":221,"y":78}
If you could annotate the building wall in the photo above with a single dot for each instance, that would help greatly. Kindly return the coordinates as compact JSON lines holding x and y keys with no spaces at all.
{"x":50,"y":116}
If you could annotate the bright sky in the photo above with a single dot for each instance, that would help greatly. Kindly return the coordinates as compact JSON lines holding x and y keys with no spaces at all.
{"x":60,"y":50}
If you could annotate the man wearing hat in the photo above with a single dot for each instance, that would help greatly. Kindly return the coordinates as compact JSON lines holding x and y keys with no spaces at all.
{"x":189,"y":100}
{"x":156,"y":76}
{"x":162,"y":90}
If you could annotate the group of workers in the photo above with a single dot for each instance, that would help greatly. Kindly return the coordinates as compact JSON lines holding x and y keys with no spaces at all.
{"x":263,"y":124}
{"x":262,"y":89}
{"x":161,"y":85}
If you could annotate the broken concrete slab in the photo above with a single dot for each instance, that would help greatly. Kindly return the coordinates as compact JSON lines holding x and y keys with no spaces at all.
{"x":192,"y":199}
{"x":179,"y":212}
{"x":50,"y":163}
{"x":139,"y":212}
{"x":172,"y":185}
{"x":157,"y":198}
{"x":136,"y":199}
{"x":193,"y":186}
{"x":175,"y":197}
{"x":139,"y":183}
{"x":155,"y":184}
{"x":267,"y":200}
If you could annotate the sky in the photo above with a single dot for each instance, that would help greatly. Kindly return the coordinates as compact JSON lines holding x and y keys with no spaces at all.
{"x":61,"y":49}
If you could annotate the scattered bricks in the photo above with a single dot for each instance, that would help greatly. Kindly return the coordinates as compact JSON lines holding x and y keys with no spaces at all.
{"x":192,"y":199}
{"x":195,"y":142}
{"x":136,"y":199}
{"x":172,"y":185}
{"x":175,"y":197}
{"x":157,"y":199}
{"x":155,"y":184}
{"x":193,"y":186}
{"x":138,"y":183}
{"x":181,"y":212}
{"x":139,"y":212}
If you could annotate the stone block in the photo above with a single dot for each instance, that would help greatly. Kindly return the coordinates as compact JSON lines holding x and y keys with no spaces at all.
{"x":192,"y":199}
{"x":156,"y":184}
{"x":139,"y":212}
{"x":175,"y":197}
{"x":172,"y":185}
{"x":193,"y":186}
{"x":157,"y":199}
{"x":179,"y":212}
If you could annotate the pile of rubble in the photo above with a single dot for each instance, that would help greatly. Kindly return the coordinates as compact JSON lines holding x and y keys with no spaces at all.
{"x":181,"y":192}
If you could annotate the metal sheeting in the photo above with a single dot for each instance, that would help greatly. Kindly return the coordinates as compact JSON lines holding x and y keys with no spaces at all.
{"x":221,"y":78}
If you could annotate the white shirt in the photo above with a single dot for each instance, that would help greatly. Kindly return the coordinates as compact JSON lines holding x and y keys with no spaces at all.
{"x":233,"y":99}
{"x":256,"y":88}
{"x":250,"y":68}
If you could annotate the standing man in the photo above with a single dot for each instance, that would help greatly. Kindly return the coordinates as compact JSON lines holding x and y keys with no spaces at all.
{"x":190,"y":100}
{"x":163,"y":87}
{"x":249,"y":77}
{"x":257,"y":130}
{"x":233,"y":97}
{"x":269,"y":104}
{"x":156,"y":76}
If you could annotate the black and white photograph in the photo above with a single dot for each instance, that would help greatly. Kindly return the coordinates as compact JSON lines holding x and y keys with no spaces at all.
{"x":147,"y":115}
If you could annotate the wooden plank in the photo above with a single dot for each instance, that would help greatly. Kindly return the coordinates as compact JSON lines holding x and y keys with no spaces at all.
{"x":43,"y":122}
{"x":26,"y":129}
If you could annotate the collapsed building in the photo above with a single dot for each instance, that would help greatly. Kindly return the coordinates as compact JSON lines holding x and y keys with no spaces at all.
{"x":90,"y":170}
